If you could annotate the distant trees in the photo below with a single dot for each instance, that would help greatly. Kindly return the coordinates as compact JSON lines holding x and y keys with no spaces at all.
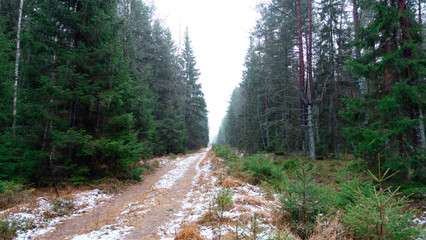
{"x":365,"y":91}
{"x":99,"y":89}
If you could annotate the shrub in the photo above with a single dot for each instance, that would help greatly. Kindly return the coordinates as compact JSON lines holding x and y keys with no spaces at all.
{"x":380,"y":214}
{"x":7,"y":230}
{"x":223,"y":200}
{"x":304,"y":201}
{"x":12,"y":193}
{"x":62,"y":207}
{"x":225,"y":152}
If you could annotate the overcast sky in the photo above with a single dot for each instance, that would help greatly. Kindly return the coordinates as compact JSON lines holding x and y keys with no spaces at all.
{"x":219,"y":30}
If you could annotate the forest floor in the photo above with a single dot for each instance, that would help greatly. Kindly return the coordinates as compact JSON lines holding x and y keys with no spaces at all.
{"x":183,"y":199}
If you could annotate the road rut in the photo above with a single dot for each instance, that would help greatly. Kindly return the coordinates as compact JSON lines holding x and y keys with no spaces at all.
{"x":141,"y":209}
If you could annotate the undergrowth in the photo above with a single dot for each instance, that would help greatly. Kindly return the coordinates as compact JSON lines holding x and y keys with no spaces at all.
{"x":12,"y":193}
{"x":7,"y":230}
{"x":336,"y":197}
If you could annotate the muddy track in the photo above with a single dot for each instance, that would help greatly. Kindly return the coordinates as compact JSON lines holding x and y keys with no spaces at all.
{"x":142,"y":207}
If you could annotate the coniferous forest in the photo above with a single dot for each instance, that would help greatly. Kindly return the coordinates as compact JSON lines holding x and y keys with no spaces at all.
{"x":324,"y":137}
{"x":333,"y":77}
{"x":89,"y":88}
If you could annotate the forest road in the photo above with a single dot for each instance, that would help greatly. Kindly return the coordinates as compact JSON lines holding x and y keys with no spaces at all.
{"x":141,"y":209}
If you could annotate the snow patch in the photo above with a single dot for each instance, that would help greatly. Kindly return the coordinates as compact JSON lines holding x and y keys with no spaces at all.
{"x":36,"y":221}
{"x":108,"y":232}
{"x":170,"y":178}
{"x":196,"y":202}
{"x":200,"y":200}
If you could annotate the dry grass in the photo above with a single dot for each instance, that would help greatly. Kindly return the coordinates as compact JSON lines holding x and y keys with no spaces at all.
{"x":205,"y":161}
{"x":209,"y":218}
{"x":250,"y":200}
{"x":230,"y":183}
{"x":189,"y":232}
{"x":216,"y":160}
{"x":245,"y":218}
{"x":280,"y":219}
{"x":14,"y":195}
{"x":329,"y":228}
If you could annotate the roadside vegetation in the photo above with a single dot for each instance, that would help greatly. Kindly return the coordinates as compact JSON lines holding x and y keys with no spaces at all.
{"x":329,"y":199}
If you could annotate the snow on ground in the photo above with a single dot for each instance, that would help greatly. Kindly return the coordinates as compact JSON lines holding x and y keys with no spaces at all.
{"x":169,"y":179}
{"x":122,"y":226}
{"x":421,"y":220}
{"x":108,"y":232}
{"x":248,"y":199}
{"x":36,"y":219}
{"x":197,"y":208}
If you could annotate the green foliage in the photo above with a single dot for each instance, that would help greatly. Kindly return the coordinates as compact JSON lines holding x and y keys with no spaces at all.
{"x":368,"y":221}
{"x":8,"y":230}
{"x":12,"y":193}
{"x":304,"y":200}
{"x":223,"y":200}
{"x":172,"y":132}
{"x":62,"y":207}
{"x":224,"y":151}
{"x":305,"y":197}
{"x":137,"y":173}
{"x":194,"y":109}
{"x":258,"y":167}
{"x":98,"y":91}
{"x":381,"y":214}
{"x":386,"y":121}
{"x":79,"y":176}
{"x":6,"y":73}
{"x":263,"y":168}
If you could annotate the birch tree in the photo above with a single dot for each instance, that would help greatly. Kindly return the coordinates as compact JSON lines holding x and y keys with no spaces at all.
{"x":17,"y":59}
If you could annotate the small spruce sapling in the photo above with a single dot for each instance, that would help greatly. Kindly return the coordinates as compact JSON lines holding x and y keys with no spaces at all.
{"x":380,"y":214}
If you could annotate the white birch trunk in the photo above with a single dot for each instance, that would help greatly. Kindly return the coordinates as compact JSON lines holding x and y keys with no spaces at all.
{"x":311,"y":140}
{"x":18,"y":56}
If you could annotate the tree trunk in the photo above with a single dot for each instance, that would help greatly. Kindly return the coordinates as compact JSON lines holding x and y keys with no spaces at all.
{"x":309,"y":57}
{"x":266,"y":106}
{"x":302,"y":93}
{"x":361,"y":81}
{"x":311,"y":138}
{"x":18,"y":56}
{"x":420,"y":22}
{"x":311,"y":134}
{"x":301,"y":57}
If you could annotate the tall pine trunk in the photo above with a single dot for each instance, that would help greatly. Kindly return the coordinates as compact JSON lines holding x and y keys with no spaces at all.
{"x":311,"y":138}
{"x":17,"y":59}
{"x":311,"y":143}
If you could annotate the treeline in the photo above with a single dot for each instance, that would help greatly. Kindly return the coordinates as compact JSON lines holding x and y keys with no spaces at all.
{"x":331,"y":76}
{"x":89,"y":88}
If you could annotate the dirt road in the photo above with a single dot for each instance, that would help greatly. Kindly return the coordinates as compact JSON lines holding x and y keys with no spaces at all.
{"x":141,"y":210}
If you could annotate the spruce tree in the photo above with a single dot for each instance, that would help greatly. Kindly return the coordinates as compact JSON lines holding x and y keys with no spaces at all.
{"x":395,"y":83}
{"x":195,"y":105}
{"x":166,"y":85}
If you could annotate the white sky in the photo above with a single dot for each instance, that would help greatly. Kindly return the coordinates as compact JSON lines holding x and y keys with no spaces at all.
{"x":219,"y":30}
